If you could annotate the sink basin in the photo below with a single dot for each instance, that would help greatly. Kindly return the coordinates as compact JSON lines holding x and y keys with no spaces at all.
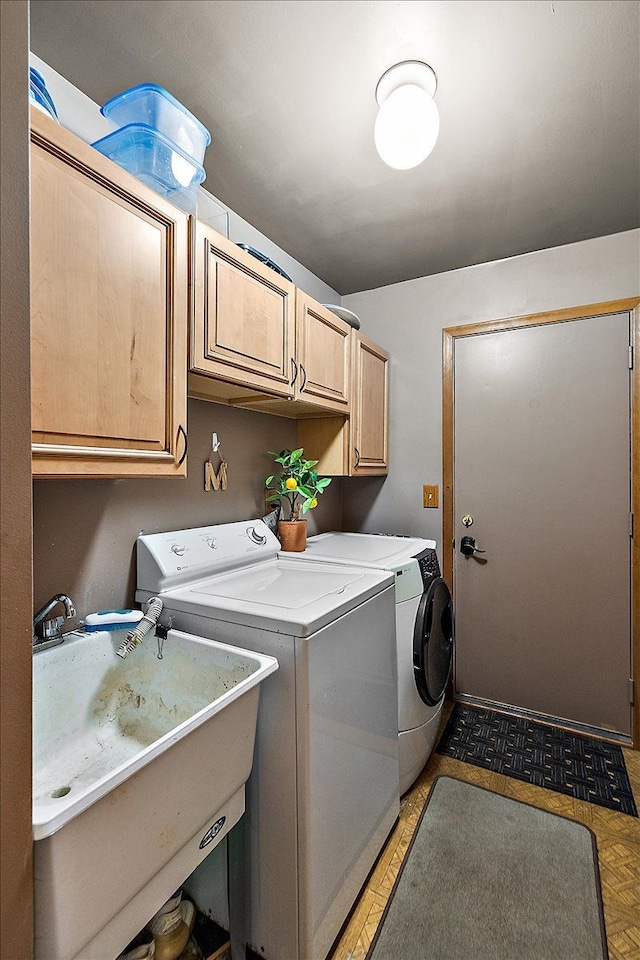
{"x":139,"y":770}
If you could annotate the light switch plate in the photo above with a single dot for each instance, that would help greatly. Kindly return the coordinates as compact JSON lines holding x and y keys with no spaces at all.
{"x":430,"y":495}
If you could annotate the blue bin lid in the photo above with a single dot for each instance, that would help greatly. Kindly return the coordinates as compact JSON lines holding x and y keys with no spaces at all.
{"x":140,"y":88}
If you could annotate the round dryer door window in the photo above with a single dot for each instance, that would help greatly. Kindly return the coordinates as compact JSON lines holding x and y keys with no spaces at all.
{"x":433,"y":642}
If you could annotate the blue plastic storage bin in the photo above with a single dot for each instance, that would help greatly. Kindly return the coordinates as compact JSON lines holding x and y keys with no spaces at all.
{"x":155,"y":160}
{"x":263,"y":258}
{"x":39,"y":95}
{"x":36,"y":78}
{"x":148,"y":103}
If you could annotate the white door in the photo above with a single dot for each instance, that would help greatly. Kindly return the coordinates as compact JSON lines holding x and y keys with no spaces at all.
{"x":542,"y":466}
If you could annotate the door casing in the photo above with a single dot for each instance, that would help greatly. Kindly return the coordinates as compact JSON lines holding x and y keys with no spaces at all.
{"x":449,"y":335}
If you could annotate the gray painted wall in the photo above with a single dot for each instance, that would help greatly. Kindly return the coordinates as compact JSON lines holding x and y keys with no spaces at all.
{"x":407,"y":319}
{"x":85,"y":530}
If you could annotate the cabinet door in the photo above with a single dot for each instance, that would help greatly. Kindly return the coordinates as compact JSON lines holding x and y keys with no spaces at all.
{"x":108,"y":314}
{"x":356,"y":445}
{"x":243,"y":322}
{"x":369,"y":422}
{"x":323,"y":352}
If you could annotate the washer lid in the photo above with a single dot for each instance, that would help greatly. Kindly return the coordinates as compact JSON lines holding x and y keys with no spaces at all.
{"x":284,"y":595}
{"x":281,"y":584}
{"x":372,"y":550}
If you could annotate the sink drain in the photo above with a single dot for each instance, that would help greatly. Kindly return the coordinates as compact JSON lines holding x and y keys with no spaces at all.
{"x":60,"y":792}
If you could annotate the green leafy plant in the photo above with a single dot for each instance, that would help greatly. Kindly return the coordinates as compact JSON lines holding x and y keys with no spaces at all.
{"x":298,"y":484}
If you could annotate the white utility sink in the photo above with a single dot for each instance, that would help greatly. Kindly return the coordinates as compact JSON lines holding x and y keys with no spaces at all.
{"x":139,"y":770}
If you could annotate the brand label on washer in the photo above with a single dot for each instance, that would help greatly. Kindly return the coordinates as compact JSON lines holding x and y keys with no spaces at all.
{"x":212,"y":832}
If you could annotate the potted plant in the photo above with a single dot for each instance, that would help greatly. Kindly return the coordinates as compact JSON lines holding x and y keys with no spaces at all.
{"x":299,"y":486}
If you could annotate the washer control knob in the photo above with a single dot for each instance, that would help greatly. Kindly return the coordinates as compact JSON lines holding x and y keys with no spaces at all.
{"x":256,"y":537}
{"x":211,"y":542}
{"x":178,"y":549}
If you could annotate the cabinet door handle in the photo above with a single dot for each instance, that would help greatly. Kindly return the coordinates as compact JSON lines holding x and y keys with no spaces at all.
{"x":304,"y":376}
{"x":357,"y":463}
{"x":181,"y":430}
{"x":294,"y":371}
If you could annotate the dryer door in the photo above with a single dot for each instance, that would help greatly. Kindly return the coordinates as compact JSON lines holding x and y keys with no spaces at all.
{"x":433,"y":642}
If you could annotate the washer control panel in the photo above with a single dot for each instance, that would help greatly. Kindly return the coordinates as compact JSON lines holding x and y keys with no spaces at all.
{"x":429,"y":566}
{"x":170,"y":559}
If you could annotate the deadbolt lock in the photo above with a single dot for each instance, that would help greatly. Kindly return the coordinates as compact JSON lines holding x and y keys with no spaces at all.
{"x":467,"y":520}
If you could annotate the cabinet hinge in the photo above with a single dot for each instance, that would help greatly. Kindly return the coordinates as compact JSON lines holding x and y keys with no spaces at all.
{"x":631,"y":525}
{"x":632,"y":692}
{"x":630,"y":357}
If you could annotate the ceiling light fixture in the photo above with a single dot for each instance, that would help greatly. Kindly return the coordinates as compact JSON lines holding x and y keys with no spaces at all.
{"x":408,"y":121}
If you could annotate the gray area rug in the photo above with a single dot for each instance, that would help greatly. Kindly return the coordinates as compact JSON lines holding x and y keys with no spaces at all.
{"x":490,"y":878}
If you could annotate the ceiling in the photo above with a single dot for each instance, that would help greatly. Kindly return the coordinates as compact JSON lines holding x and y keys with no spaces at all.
{"x":539,"y":118}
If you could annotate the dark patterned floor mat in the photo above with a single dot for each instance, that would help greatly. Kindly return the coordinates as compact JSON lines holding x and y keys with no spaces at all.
{"x":570,"y":763}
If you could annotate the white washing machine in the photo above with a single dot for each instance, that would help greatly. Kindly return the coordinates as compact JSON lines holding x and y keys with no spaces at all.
{"x":323,"y":793}
{"x":424,"y":631}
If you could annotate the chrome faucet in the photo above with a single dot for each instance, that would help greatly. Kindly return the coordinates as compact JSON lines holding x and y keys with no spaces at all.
{"x":48,"y":632}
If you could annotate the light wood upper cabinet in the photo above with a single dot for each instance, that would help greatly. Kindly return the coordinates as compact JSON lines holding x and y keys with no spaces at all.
{"x":108,"y":313}
{"x":370,"y":420}
{"x":257,"y":341}
{"x":323,"y":356}
{"x":243,"y":330}
{"x":357,"y":445}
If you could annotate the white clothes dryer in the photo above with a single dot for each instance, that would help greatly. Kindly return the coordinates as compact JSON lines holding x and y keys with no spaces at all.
{"x":323,"y":794}
{"x":424,"y":631}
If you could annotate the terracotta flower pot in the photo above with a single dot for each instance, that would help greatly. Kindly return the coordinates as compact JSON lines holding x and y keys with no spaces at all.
{"x":293,"y":535}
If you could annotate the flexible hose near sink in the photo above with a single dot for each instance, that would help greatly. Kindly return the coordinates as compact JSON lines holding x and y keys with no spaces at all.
{"x":139,"y":632}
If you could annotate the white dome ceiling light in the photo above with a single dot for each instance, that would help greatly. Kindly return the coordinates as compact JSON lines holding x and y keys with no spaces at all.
{"x":408,"y":122}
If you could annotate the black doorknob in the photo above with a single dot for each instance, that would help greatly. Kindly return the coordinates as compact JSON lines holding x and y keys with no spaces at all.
{"x":468,"y":547}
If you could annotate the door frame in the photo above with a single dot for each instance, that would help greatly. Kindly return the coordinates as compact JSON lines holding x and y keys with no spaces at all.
{"x":593,"y":310}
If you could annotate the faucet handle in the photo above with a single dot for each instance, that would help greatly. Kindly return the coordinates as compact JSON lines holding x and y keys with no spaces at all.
{"x":50,"y":629}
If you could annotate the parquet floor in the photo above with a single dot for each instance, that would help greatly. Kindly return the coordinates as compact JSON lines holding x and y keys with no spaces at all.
{"x":618,"y":838}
